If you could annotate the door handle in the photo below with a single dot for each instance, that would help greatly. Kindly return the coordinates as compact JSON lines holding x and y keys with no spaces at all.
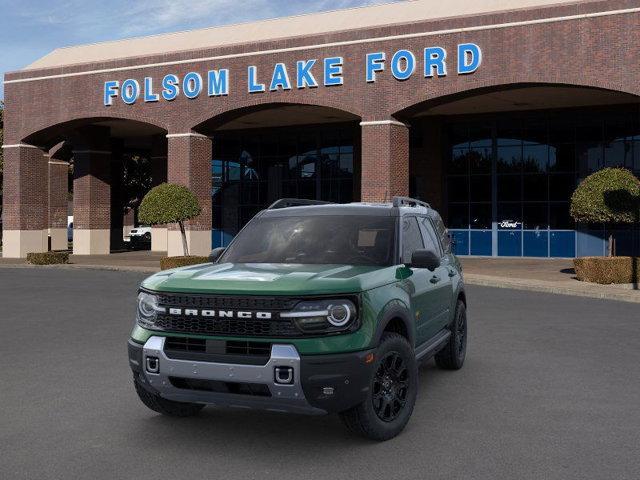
{"x":452,"y":273}
{"x":434,"y":279}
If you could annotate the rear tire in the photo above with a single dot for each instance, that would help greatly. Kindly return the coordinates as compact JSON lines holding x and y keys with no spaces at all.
{"x":452,"y":356}
{"x":166,"y":407}
{"x":392,"y":392}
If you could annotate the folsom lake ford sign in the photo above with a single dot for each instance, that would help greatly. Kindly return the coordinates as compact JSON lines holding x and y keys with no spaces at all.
{"x":309,"y":73}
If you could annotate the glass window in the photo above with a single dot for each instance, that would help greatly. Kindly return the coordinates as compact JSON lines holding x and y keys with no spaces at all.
{"x":347,"y":239}
{"x":562,"y":158}
{"x":429,"y":236}
{"x":535,"y":158}
{"x":559,"y":217}
{"x":509,"y":159}
{"x":561,"y":187}
{"x":535,"y":216}
{"x":509,"y":216}
{"x":411,"y":238}
{"x":481,"y":188}
{"x":480,"y":160}
{"x":459,"y":161}
{"x":480,"y":216}
{"x":458,"y":189}
{"x":459,"y":215}
{"x":442,"y":232}
{"x":534,"y":188}
{"x":618,"y":154}
{"x":509,"y":188}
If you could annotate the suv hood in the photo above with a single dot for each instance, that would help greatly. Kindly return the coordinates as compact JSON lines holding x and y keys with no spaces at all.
{"x":271,"y":279}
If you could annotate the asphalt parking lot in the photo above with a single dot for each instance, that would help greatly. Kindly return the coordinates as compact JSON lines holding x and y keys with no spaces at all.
{"x":550,"y":390}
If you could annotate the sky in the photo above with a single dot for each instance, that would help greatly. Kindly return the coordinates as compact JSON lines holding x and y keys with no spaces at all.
{"x":29,"y":29}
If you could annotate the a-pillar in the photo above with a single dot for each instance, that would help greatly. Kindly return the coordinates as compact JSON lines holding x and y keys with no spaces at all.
{"x":159,"y":175}
{"x":24,"y":202}
{"x":189,"y":164}
{"x":58,"y":192}
{"x":385,"y":160}
{"x":92,"y":192}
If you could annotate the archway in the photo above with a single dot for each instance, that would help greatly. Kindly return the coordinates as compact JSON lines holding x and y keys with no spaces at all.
{"x":501,"y":164}
{"x":113,"y":163}
{"x":266,"y":152}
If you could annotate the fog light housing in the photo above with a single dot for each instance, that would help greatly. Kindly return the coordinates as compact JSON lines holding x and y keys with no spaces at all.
{"x":152,"y":364}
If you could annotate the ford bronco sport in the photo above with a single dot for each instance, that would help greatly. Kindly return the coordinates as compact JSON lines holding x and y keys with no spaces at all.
{"x":313,"y":308}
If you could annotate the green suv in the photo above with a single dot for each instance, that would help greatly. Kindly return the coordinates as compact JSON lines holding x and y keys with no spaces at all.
{"x":313,"y":308}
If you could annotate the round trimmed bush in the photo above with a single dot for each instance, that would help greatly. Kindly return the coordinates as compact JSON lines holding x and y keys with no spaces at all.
{"x":170,"y":203}
{"x":611,"y":195}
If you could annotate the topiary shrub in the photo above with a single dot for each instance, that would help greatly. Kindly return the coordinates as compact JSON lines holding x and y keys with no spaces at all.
{"x":170,"y":203}
{"x":168,"y":263}
{"x":611,"y":195}
{"x":48,"y":258}
{"x":607,"y":270}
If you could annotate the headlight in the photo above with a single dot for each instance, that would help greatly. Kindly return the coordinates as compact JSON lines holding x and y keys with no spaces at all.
{"x":324,"y":316}
{"x":148,"y":309}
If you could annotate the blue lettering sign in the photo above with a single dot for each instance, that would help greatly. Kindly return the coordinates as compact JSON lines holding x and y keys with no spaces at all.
{"x":170,"y":87}
{"x":304,"y":77}
{"x":280,"y":78}
{"x":218,"y":82}
{"x":375,"y":63}
{"x":434,"y":59}
{"x":110,"y":92}
{"x":130,"y":91}
{"x":333,"y":71}
{"x":469,"y":58}
{"x":254,"y":87}
{"x":192,"y":85}
{"x":149,"y":96}
{"x":403,"y":64}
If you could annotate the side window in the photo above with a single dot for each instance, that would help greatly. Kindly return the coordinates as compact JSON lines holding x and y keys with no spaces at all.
{"x":411,"y":238}
{"x":443,"y":233}
{"x":430,"y":239}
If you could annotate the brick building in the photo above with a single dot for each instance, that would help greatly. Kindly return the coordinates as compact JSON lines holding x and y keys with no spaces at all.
{"x":491,"y":110}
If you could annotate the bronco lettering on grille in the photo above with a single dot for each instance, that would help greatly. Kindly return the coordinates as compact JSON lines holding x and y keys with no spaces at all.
{"x":192,"y":312}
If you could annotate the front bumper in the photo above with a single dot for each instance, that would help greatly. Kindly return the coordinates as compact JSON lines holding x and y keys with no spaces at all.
{"x":320,"y":383}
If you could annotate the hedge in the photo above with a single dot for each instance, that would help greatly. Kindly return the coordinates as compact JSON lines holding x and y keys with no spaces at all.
{"x":48,"y":258}
{"x":607,"y":270}
{"x":168,"y":263}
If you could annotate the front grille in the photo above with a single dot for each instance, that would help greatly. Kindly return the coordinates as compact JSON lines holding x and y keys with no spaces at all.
{"x":222,"y":326}
{"x":226,"y":302}
{"x":238,"y":388}
{"x":227,"y":327}
{"x":185,"y":344}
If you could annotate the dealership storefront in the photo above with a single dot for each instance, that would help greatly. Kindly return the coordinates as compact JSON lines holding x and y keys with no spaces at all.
{"x":492,"y":116}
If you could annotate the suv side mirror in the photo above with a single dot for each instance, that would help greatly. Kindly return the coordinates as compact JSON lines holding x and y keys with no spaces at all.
{"x":425,"y":259}
{"x":215,"y":254}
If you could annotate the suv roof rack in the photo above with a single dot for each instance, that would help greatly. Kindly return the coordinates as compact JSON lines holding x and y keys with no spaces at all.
{"x":294,"y":202}
{"x":409,"y":202}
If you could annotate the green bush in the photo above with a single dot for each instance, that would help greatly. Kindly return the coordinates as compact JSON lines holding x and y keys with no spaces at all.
{"x":611,"y":195}
{"x":607,"y":270}
{"x":169,"y":203}
{"x":168,"y":263}
{"x":48,"y":258}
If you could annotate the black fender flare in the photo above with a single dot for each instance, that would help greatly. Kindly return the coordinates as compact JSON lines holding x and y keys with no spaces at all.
{"x":395,"y":309}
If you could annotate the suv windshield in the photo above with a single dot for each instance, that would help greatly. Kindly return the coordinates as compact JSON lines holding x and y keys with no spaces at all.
{"x":347,"y":240}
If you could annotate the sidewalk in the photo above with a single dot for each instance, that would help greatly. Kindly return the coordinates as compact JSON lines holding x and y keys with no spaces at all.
{"x":540,"y":275}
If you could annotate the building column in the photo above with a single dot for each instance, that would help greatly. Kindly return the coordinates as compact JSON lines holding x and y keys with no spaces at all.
{"x":25,"y":211}
{"x":92,"y":193}
{"x":385,"y":160}
{"x":158,"y":159}
{"x":58,"y":191}
{"x":189,"y":164}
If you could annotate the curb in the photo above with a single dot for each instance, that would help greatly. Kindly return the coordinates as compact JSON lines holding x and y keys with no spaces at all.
{"x":74,"y":266}
{"x":602,"y":292}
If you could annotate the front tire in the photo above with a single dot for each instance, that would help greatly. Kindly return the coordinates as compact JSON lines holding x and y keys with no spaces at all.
{"x":166,"y":407}
{"x":452,"y":356}
{"x":392,"y":392}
